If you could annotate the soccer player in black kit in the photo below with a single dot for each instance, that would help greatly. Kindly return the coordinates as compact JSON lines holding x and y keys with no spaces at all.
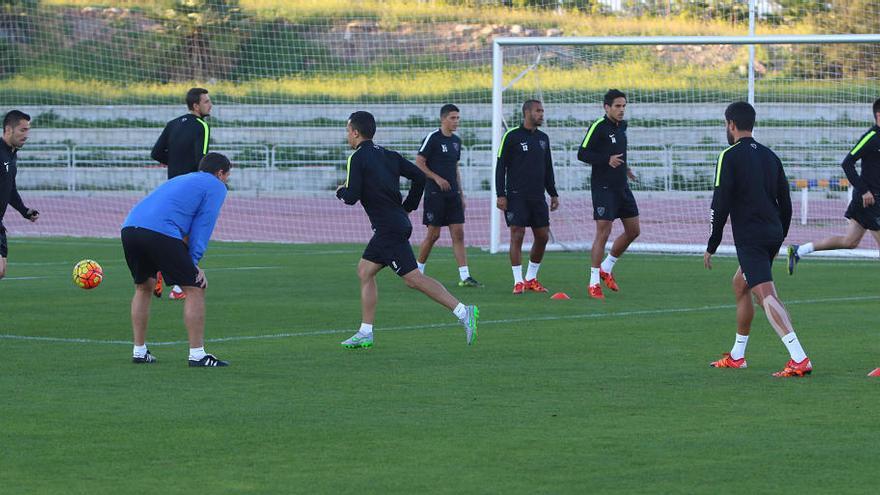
{"x":181,"y":146}
{"x":604,"y":147}
{"x":373,"y":178}
{"x":751,"y":187}
{"x":863,"y":211}
{"x":438,"y":158}
{"x":16,"y":125}
{"x":523,"y":172}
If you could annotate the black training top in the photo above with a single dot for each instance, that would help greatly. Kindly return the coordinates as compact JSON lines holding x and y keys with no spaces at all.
{"x":603,"y":139}
{"x":525,"y":166}
{"x":866,"y":149}
{"x":751,"y":187}
{"x":374,"y":179}
{"x":442,"y":154}
{"x":182,"y":144}
{"x":8,"y":192}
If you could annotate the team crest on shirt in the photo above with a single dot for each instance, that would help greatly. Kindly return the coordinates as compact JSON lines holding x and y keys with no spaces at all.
{"x":456,"y":146}
{"x":444,"y":148}
{"x":543,"y":144}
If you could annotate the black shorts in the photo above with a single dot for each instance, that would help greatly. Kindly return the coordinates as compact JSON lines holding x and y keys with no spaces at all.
{"x":389,"y":248}
{"x":609,"y":203}
{"x":868,"y":218}
{"x":442,"y":209}
{"x":4,"y":249}
{"x":148,"y":252}
{"x":756,"y":261}
{"x":527,"y":212}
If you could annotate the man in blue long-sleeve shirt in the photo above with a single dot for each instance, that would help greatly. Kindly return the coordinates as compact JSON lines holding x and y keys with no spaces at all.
{"x":373,"y":178}
{"x":153,"y":235}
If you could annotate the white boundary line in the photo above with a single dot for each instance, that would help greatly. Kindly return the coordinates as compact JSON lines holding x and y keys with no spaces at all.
{"x":311,"y":333}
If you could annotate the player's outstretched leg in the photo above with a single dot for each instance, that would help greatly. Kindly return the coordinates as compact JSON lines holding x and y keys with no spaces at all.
{"x":468,"y":316}
{"x":849,"y":240}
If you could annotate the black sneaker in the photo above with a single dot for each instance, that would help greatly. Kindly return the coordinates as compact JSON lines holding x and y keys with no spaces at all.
{"x":147,"y":359}
{"x":208,"y":361}
{"x":469,"y":282}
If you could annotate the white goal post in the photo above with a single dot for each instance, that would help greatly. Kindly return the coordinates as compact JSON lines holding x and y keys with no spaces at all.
{"x":812,"y":166}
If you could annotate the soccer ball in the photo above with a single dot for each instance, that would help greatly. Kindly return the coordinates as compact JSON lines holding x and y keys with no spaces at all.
{"x":87,"y":274}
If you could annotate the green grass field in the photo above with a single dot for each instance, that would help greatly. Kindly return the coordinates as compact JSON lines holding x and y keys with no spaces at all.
{"x":555,"y":397}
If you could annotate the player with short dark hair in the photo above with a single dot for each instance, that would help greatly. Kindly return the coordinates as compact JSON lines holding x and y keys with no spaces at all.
{"x":438,"y":158}
{"x":181,"y":146}
{"x":16,"y":125}
{"x":864,"y":210}
{"x":153,"y":233}
{"x":523,"y":172}
{"x":373,"y":178}
{"x":604,"y":148}
{"x":751,"y":187}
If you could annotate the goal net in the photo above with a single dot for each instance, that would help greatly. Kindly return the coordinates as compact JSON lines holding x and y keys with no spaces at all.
{"x":812,"y":94}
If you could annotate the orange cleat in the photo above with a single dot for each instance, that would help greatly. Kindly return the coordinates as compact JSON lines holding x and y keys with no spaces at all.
{"x":157,"y":290}
{"x":876,"y":372}
{"x":595,"y":291}
{"x":609,"y":280}
{"x":535,"y":286}
{"x":728,"y":362}
{"x":177,"y":295}
{"x":792,"y":368}
{"x":519,"y":287}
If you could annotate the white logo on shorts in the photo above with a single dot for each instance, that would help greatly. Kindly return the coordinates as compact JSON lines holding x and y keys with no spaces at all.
{"x":510,"y":216}
{"x":394,"y":266}
{"x":600,"y":210}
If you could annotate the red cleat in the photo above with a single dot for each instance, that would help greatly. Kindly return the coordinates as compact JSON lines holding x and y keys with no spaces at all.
{"x":535,"y":286}
{"x":519,"y":287}
{"x":728,"y":362}
{"x":157,"y":290}
{"x":876,"y":372}
{"x":609,"y":280}
{"x":792,"y":368}
{"x":595,"y":291}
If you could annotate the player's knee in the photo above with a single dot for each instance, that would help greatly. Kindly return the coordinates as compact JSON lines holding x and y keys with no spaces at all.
{"x":633,"y":233}
{"x":457,"y":235}
{"x":851,"y":243}
{"x":542,"y":237}
{"x":413,"y":281}
{"x":432,"y":236}
{"x":517,"y":234}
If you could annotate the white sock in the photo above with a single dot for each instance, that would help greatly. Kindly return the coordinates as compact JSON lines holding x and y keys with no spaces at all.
{"x":460,"y":311}
{"x":140,"y":350}
{"x":532,"y":272}
{"x":794,"y":347}
{"x":594,"y":276}
{"x":366,"y":329}
{"x":608,"y":264}
{"x":517,"y":274}
{"x":196,"y":353}
{"x":176,"y":289}
{"x":463,"y":272}
{"x":805,"y":249}
{"x":421,"y":266}
{"x":739,"y":346}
